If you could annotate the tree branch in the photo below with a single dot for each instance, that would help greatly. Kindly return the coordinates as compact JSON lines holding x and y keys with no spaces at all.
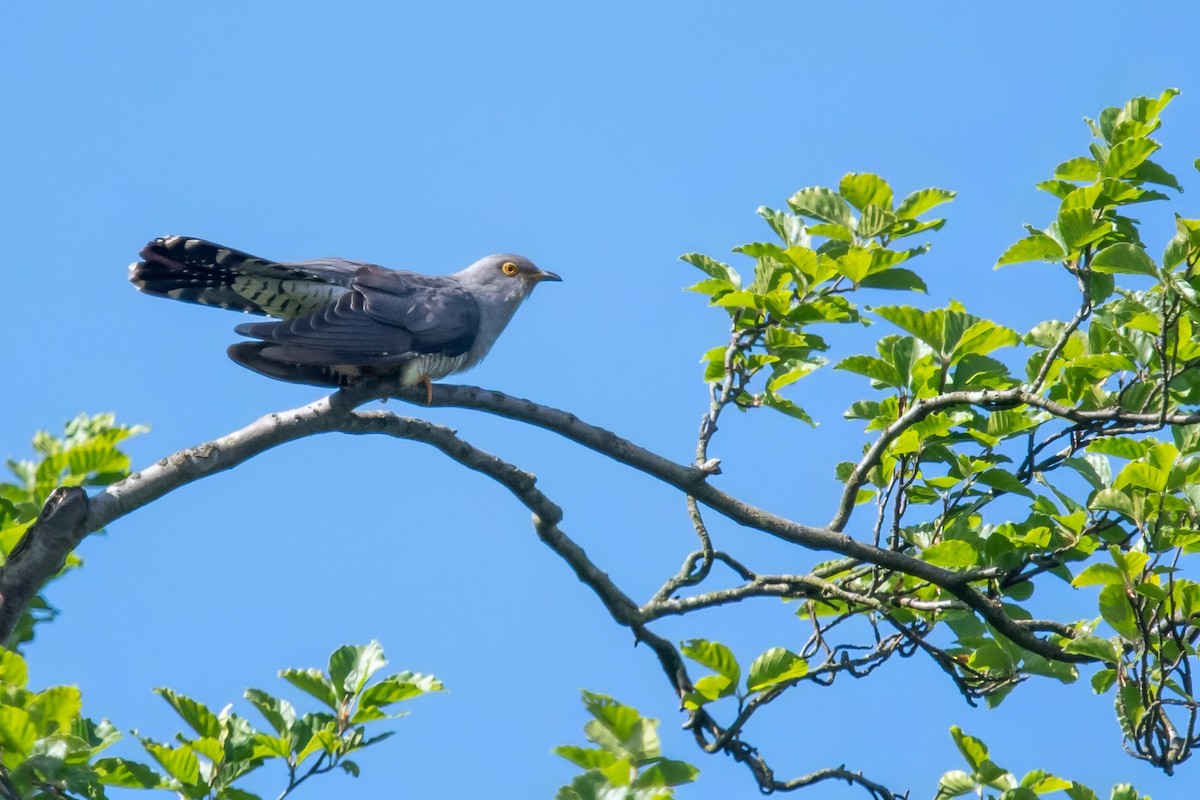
{"x":335,"y":412}
{"x":41,"y":553}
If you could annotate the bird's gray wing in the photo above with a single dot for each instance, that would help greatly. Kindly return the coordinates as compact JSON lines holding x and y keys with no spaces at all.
{"x":387,"y":316}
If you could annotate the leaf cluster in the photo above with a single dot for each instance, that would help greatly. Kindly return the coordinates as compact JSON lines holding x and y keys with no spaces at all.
{"x":48,"y":750}
{"x":987,"y":780}
{"x":225,"y":747}
{"x":995,"y":459}
{"x":627,"y":762}
{"x":797,"y":282}
{"x":87,"y":454}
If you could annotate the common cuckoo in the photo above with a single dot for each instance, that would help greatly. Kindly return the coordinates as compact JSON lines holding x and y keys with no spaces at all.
{"x":342,"y":320}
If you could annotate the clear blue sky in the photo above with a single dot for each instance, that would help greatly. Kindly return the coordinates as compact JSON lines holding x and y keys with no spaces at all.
{"x":602,"y":141}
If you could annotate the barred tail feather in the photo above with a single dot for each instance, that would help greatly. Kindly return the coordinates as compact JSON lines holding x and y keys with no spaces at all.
{"x":198,"y":271}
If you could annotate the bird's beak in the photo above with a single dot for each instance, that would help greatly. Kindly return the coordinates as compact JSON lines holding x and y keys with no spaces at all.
{"x":543,"y":275}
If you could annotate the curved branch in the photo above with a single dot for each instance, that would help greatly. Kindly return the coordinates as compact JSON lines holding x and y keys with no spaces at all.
{"x":337,"y":410}
{"x":692,"y":480}
{"x":995,"y":398}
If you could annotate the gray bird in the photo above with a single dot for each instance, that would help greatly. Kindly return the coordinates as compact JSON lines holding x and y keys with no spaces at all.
{"x":344,"y":320}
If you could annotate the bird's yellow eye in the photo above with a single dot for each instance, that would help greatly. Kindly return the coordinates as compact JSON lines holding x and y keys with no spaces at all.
{"x":509,"y":268}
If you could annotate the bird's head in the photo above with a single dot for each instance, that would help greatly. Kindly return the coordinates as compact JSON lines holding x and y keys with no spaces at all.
{"x":506,"y":275}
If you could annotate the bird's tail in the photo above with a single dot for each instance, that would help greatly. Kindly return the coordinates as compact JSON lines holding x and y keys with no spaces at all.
{"x":197,"y":271}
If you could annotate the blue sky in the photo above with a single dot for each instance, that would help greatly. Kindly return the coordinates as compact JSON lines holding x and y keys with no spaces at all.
{"x":602,"y":141}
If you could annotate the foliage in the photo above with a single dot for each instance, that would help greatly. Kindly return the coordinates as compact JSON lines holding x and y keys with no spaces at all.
{"x":985,"y":776}
{"x":49,"y":749}
{"x":628,"y":763}
{"x":795,"y":285}
{"x":992,"y":469}
{"x":86,"y":455}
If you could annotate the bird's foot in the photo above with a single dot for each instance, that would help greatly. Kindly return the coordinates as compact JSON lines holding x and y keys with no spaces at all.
{"x":428,"y":384}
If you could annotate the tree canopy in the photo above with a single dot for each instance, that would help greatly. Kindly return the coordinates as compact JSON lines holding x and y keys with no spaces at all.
{"x":998,"y":469}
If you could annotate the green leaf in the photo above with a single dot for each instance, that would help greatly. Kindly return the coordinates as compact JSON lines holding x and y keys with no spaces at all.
{"x":666,"y":773}
{"x":234,"y":793}
{"x":1123,"y":791}
{"x":772,"y":400}
{"x":713,"y":287}
{"x":713,"y":268}
{"x":972,"y":749}
{"x":981,"y":338}
{"x":954,"y":784}
{"x":620,"y":772}
{"x":1151,"y":172}
{"x":1121,"y":446}
{"x":739,"y":299}
{"x":895,"y":278}
{"x":179,"y":762}
{"x":586,"y":757}
{"x":17,"y":733}
{"x":838,"y":232}
{"x":267,"y":746}
{"x":952,"y":553}
{"x":126,"y":774}
{"x":1078,"y":169}
{"x":351,"y":666}
{"x":715,"y":656}
{"x":875,"y":222}
{"x":195,"y":714}
{"x":591,"y":785}
{"x":1004,"y":481}
{"x":854,"y":264}
{"x":789,"y":372}
{"x":1079,"y":227}
{"x":928,"y":326}
{"x":55,"y":710}
{"x":1175,"y":252}
{"x":1104,"y":679}
{"x":395,"y":688}
{"x":788,"y":228}
{"x":823,"y":204}
{"x":874,"y":368}
{"x":1116,"y":611}
{"x":1080,"y":792}
{"x":13,"y":670}
{"x":708,"y":689}
{"x":1126,"y":258}
{"x":323,"y":739}
{"x":1142,"y":475}
{"x":1099,"y":574}
{"x":921,"y":201}
{"x":640,"y":744}
{"x":1020,"y":793}
{"x":1058,"y":188}
{"x":861,"y":189}
{"x":1127,"y":155}
{"x":1088,"y":645}
{"x":617,"y":718}
{"x":775,"y":666}
{"x":1038,"y":247}
{"x":314,"y":682}
{"x":279,"y":713}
